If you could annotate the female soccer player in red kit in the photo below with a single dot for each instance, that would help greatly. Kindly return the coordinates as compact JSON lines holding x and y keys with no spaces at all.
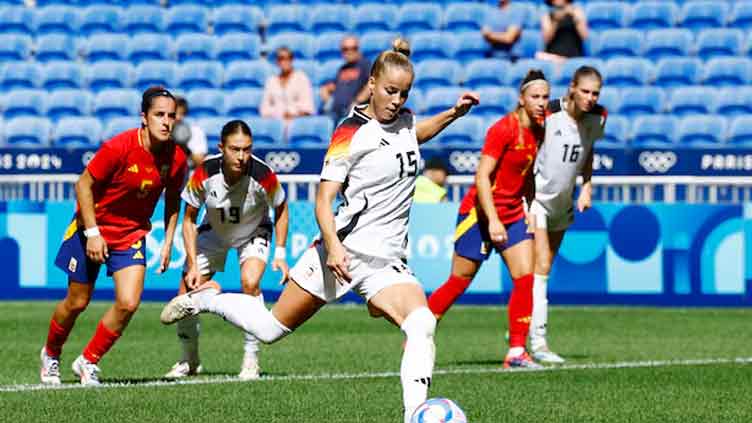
{"x":492,"y":214}
{"x":117,"y":194}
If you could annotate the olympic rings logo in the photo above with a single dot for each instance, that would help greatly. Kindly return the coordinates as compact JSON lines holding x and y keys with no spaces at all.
{"x":283,"y":161}
{"x":657,"y":161}
{"x":464,"y":161}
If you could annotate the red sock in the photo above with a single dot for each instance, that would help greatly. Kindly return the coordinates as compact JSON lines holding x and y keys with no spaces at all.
{"x":443,"y":298}
{"x":520,"y":310}
{"x":100,"y":343}
{"x":56,"y":337}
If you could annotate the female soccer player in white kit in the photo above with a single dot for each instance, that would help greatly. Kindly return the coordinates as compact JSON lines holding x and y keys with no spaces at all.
{"x":573,"y":125}
{"x":373,"y":162}
{"x":237,"y":189}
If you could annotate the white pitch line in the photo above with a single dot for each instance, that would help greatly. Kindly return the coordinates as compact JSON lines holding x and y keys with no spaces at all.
{"x":377,"y":375}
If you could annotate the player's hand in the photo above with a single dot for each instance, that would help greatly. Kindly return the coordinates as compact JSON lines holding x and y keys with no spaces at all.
{"x":280,"y":265}
{"x":497,"y":231}
{"x":164,"y":258}
{"x":584,"y":201}
{"x":192,"y":278}
{"x":96,"y":249}
{"x":466,"y":101}
{"x":338,"y":262}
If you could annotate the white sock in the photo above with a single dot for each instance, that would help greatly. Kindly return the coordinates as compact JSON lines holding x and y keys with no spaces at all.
{"x":250,"y":343}
{"x":417,"y":359}
{"x":244,"y":311}
{"x":188,"y":331}
{"x":515,"y":351}
{"x":540,"y":312}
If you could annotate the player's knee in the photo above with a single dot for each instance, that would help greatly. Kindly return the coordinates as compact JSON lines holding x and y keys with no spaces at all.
{"x":420,"y":323}
{"x":250,"y":286}
{"x":77,"y":304}
{"x":128,"y":306}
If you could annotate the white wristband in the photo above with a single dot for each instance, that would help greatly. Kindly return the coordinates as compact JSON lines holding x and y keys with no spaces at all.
{"x":91,"y":232}
{"x":280,"y":253}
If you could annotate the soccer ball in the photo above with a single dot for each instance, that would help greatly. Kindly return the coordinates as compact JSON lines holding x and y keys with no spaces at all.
{"x":438,"y":410}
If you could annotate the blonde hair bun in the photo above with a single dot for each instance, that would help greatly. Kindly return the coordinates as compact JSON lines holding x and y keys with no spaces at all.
{"x":401,"y":45}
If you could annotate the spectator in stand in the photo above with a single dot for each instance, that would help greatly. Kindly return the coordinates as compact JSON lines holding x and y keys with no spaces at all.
{"x":564,"y":31}
{"x":349,"y":86}
{"x":503,"y":28}
{"x":430,"y":187}
{"x":289,"y":94}
{"x":189,"y":136}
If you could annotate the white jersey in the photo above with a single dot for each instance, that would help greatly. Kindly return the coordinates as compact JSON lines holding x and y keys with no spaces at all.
{"x":566,"y":147}
{"x":234,"y":213}
{"x":378,"y":166}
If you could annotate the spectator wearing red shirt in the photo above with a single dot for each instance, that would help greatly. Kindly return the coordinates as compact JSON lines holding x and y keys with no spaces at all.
{"x":117,"y":194}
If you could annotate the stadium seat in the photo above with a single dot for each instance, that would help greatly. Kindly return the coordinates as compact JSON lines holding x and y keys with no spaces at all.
{"x":442,"y":98}
{"x":327,"y":46}
{"x":643,"y":100}
{"x":559,"y":91}
{"x":653,"y":15}
{"x":68,"y":103}
{"x":437,"y":73}
{"x":466,"y":132}
{"x":656,"y":131}
{"x":266,"y":132}
{"x":109,"y":104}
{"x":143,"y":47}
{"x":308,"y":67}
{"x":119,"y":124}
{"x":373,"y":43}
{"x":375,"y":17}
{"x":327,"y":71}
{"x":331,"y":18}
{"x":426,"y":45}
{"x":56,"y":47}
{"x":303,"y":45}
{"x":740,"y":132}
{"x":206,"y":103}
{"x":530,"y":43}
{"x":193,"y":47}
{"x":20,"y":75}
{"x":235,"y":46}
{"x":617,"y":133}
{"x":237,"y":19}
{"x":17,"y":20}
{"x":734,"y":101}
{"x":692,"y":101}
{"x":143,"y":19}
{"x":566,"y":71}
{"x":310,"y":131}
{"x":719,"y":42}
{"x":244,"y":102}
{"x":15,"y":47}
{"x":628,"y":71}
{"x":697,"y":15}
{"x":496,"y":101}
{"x":287,"y":18}
{"x":519,"y":69}
{"x":24,"y":102}
{"x":107,"y":47}
{"x":486,"y":73}
{"x":213,"y":128}
{"x":186,"y":19}
{"x":154,"y":73}
{"x":677,"y":71}
{"x":193,"y":75}
{"x":618,"y":42}
{"x":415,"y":101}
{"x":470,"y":46}
{"x":723,"y":71}
{"x":100,"y":19}
{"x":610,"y":98}
{"x":672,"y":42}
{"x":74,"y":132}
{"x":741,"y":15}
{"x":57,"y":19}
{"x":414,"y":17}
{"x":701,"y":131}
{"x":461,"y":17}
{"x":606,"y":15}
{"x":31,"y":132}
{"x":251,"y":74}
{"x":57,"y":75}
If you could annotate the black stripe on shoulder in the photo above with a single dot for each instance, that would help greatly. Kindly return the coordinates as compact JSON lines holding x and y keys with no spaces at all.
{"x":213,"y":165}
{"x":554,"y":106}
{"x":356,"y":119}
{"x":258,"y":169}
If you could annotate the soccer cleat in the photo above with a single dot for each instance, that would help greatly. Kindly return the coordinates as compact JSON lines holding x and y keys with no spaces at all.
{"x":86,"y":371}
{"x":183,"y":306}
{"x":49,"y":371}
{"x":183,"y":369}
{"x":522,"y":361}
{"x":544,"y":355}
{"x":250,"y":369}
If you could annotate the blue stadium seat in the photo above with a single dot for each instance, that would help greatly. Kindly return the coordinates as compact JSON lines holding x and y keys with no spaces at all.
{"x":109,"y":104}
{"x":73,"y":132}
{"x":692,"y":101}
{"x":100,"y":19}
{"x":439,"y":99}
{"x":520,"y":68}
{"x":701,"y":131}
{"x":741,"y":16}
{"x":653,"y":15}
{"x":672,"y":42}
{"x":470,"y":46}
{"x":559,"y":91}
{"x":328,"y":46}
{"x":251,"y":74}
{"x":331,"y":18}
{"x":68,"y":103}
{"x":327,"y":72}
{"x":194,"y":75}
{"x":107,"y":47}
{"x":212,"y":127}
{"x":606,"y":15}
{"x":15,"y":47}
{"x":529,"y":14}
{"x":431,"y":45}
{"x":656,"y":131}
{"x":530,"y":42}
{"x":193,"y":47}
{"x":610,"y":98}
{"x":310,"y":131}
{"x":206,"y":103}
{"x":628,"y":71}
{"x":677,"y":71}
{"x":375,"y":17}
{"x":235,"y":46}
{"x":740,"y":132}
{"x":303,"y":45}
{"x":143,"y":19}
{"x":486,"y":73}
{"x":565,"y":73}
{"x":496,"y":101}
{"x":644,"y":100}
{"x":462,"y":17}
{"x":31,"y":132}
{"x":119,"y":124}
{"x":723,"y":71}
{"x":143,"y":47}
{"x":56,"y":47}
{"x":469,"y":131}
{"x":24,"y":103}
{"x":287,"y":18}
{"x":618,"y":42}
{"x":188,"y":2}
{"x":719,"y":42}
{"x":244,"y":102}
{"x":17,"y":20}
{"x":21,"y":75}
{"x":154,"y":73}
{"x":373,"y":43}
{"x":734,"y":101}
{"x":266,"y":132}
{"x":186,"y":20}
{"x":437,"y":73}
{"x":415,"y":101}
{"x":416,"y":17}
{"x":110,"y":75}
{"x":57,"y":19}
{"x":617,"y":132}
{"x":697,"y":15}
{"x":237,"y":19}
{"x":57,"y":75}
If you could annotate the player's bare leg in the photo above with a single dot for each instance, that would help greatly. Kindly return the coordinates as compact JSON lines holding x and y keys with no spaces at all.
{"x":251,"y":271}
{"x":546,"y":247}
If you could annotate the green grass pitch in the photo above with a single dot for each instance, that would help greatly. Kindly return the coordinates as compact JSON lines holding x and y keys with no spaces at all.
{"x":625,"y":365}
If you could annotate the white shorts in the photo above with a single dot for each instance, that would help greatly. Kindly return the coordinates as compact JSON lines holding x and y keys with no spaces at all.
{"x":211,"y":251}
{"x":553,"y":221}
{"x":369,"y":275}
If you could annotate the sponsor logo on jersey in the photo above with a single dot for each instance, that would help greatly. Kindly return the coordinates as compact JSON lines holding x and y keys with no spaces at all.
{"x":133,"y":168}
{"x":73,"y":264}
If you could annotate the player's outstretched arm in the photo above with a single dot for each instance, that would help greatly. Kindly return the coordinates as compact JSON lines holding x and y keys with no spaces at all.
{"x":281,"y":223}
{"x":429,"y":128}
{"x":96,"y":246}
{"x":337,"y":259}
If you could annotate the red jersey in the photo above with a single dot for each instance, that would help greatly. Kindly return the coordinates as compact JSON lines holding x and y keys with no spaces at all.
{"x":128,"y":183}
{"x":515,"y":156}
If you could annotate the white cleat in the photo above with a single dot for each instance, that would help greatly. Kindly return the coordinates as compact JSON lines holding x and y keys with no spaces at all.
{"x":183,"y":369}
{"x":183,"y":306}
{"x":49,"y":370}
{"x":544,"y":355}
{"x":250,"y":369}
{"x":88,"y":372}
